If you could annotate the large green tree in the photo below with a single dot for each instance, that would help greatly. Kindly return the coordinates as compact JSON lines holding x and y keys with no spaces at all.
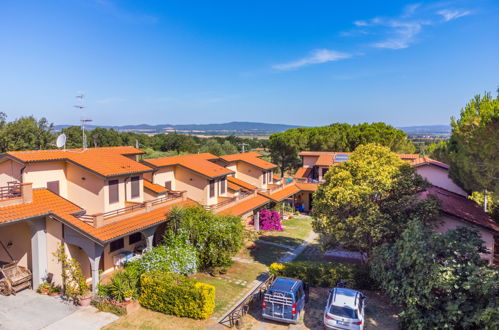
{"x":25,"y":133}
{"x":439,"y":279}
{"x":368,"y":200}
{"x":474,"y":145}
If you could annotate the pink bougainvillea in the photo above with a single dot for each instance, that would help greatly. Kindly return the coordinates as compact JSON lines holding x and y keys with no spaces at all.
{"x":270,"y":220}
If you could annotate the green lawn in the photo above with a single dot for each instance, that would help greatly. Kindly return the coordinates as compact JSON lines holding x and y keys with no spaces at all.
{"x":295,"y":231}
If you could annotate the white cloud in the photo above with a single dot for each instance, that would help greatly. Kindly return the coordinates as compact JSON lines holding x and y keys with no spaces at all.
{"x":403,"y":34}
{"x":317,"y":56}
{"x":450,"y":14}
{"x":361,"y":23}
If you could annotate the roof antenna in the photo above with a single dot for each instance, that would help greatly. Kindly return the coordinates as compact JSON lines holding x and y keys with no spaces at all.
{"x":243,"y":145}
{"x":83,"y":120}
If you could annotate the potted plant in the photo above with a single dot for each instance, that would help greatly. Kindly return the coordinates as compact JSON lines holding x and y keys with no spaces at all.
{"x":44,"y":288}
{"x":55,"y":290}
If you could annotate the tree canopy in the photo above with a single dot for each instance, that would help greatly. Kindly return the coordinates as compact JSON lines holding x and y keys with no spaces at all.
{"x":367,"y":200}
{"x":25,"y":133}
{"x":284,"y":147}
{"x":474,"y":145}
{"x":439,"y":279}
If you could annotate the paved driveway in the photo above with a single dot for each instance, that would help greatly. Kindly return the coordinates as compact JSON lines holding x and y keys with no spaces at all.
{"x":29,"y":310}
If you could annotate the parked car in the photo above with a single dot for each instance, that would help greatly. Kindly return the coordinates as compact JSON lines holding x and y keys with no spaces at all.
{"x":284,"y":300}
{"x":344,"y":309}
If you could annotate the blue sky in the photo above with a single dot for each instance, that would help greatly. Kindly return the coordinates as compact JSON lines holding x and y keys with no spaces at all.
{"x":294,"y":62}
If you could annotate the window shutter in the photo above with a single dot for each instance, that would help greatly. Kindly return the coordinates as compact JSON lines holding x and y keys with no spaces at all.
{"x":222,"y":186}
{"x":53,"y":186}
{"x":168,"y":185}
{"x":135,"y":187}
{"x":114,"y":196}
{"x":212,"y":188}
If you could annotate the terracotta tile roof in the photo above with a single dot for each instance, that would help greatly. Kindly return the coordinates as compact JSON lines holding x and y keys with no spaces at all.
{"x":325,"y":160}
{"x":233,"y":186}
{"x":241,"y":183}
{"x":47,"y":203}
{"x":252,"y":158}
{"x":303,"y":172}
{"x":282,"y":194}
{"x":44,"y":202}
{"x":408,"y":156}
{"x":315,"y":153}
{"x":138,"y":222}
{"x":156,"y":188}
{"x":107,"y":162}
{"x":199,"y":163}
{"x":462,"y":207}
{"x":307,"y":186}
{"x":246,"y":206}
{"x":428,"y":161}
{"x":276,"y":177}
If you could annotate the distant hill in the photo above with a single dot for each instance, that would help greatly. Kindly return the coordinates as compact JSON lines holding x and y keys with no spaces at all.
{"x":427,"y":129}
{"x":235,"y":127}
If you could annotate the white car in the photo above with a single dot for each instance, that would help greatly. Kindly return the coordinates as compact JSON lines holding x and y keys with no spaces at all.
{"x":344,"y":309}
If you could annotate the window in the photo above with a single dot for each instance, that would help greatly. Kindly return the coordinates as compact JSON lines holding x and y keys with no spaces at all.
{"x":270,"y":177}
{"x":116,"y":245}
{"x":135,"y":187}
{"x":264,"y":177}
{"x":324,"y":171}
{"x":134,"y":238}
{"x":53,"y":186}
{"x":212,"y":188}
{"x":168,"y":185}
{"x":222,"y":186}
{"x":114,"y":196}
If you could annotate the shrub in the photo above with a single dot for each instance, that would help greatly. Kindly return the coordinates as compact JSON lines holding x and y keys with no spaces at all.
{"x":104,"y":305}
{"x":216,"y":238}
{"x":178,"y":295}
{"x":123,"y":284}
{"x":177,"y":255}
{"x":324,"y":274}
{"x":270,"y":220}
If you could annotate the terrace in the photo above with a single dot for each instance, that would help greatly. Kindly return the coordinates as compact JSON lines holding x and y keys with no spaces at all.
{"x":15,"y":193}
{"x":226,"y":202}
{"x":102,"y":219}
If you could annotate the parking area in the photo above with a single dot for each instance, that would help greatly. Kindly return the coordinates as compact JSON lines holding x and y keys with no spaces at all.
{"x":29,"y":310}
{"x":380,"y":314}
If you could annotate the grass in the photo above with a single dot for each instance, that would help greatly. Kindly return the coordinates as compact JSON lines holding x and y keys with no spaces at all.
{"x":295,"y":231}
{"x":225,"y":291}
{"x":259,"y":258}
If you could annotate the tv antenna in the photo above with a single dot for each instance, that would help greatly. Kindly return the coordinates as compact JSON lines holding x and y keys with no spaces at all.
{"x":83,"y":120}
{"x":243,"y":145}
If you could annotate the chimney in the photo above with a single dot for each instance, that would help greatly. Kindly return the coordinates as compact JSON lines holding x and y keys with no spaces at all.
{"x":27,"y":192}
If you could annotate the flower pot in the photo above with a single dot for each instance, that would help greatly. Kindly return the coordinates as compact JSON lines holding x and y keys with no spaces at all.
{"x":53,"y":294}
{"x":84,"y":301}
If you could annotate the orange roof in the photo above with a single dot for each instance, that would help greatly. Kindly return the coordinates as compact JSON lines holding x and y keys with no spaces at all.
{"x":109,"y":161}
{"x":44,"y":202}
{"x":156,"y":188}
{"x":303,"y":172}
{"x":428,"y":161}
{"x":47,"y":203}
{"x":282,"y":194}
{"x":325,"y":160}
{"x":199,"y":163}
{"x":246,"y":206}
{"x":307,"y":186}
{"x":252,"y":158}
{"x":315,"y":153}
{"x":233,"y":186}
{"x":241,"y":183}
{"x":276,"y":177}
{"x":408,"y":156}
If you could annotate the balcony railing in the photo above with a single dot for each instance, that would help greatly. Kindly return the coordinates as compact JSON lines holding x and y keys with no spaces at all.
{"x":229,"y":200}
{"x":97,"y":219}
{"x":11,"y":190}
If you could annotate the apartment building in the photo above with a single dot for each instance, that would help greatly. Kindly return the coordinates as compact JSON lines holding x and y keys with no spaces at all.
{"x":93,"y":202}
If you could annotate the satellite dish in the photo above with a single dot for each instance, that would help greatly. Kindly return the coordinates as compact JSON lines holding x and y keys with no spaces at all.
{"x":61,"y":141}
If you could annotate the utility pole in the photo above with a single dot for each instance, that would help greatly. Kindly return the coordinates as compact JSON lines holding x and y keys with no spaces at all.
{"x":82,"y":120}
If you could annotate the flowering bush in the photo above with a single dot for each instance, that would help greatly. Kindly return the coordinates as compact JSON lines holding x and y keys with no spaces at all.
{"x":270,"y":220}
{"x":178,"y":255}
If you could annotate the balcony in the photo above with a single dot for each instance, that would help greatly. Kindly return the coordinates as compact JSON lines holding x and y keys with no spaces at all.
{"x":102,"y":219}
{"x":226,"y":202}
{"x":15,"y":193}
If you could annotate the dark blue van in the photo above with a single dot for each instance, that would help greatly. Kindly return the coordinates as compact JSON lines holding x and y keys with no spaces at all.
{"x":284,"y":300}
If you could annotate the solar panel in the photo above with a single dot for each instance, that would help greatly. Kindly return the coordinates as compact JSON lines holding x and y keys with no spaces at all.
{"x":339,"y":158}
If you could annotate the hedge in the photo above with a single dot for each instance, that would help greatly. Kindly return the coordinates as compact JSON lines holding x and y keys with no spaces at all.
{"x":176,"y":294}
{"x":325,"y":274}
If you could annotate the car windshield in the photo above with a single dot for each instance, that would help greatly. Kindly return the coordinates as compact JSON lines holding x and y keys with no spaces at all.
{"x":343,"y":312}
